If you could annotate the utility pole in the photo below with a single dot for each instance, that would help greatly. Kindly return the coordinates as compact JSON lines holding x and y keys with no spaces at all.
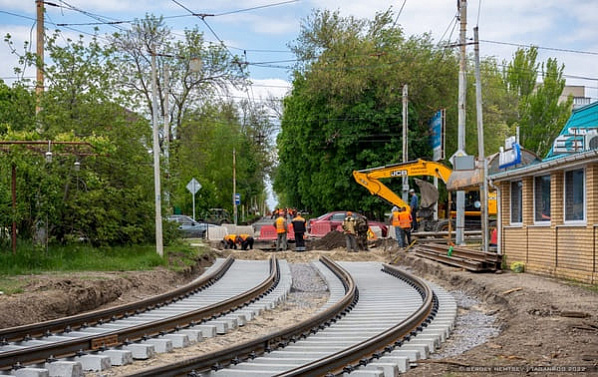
{"x":156,"y":151}
{"x":235,"y":185}
{"x":167,"y":130}
{"x":166,"y":115}
{"x":481,"y":154}
{"x":405,"y":144}
{"x":39,"y":87}
{"x":459,"y":239}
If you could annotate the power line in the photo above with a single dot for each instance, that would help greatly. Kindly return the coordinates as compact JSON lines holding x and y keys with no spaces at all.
{"x":18,"y":15}
{"x":540,"y":47}
{"x":254,"y":8}
{"x":399,"y":15}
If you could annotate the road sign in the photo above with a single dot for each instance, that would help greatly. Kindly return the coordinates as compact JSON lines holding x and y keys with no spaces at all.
{"x":193,"y":186}
{"x":237,"y":199}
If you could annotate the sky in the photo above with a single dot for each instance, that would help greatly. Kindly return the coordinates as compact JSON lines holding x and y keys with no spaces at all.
{"x":261,"y":30}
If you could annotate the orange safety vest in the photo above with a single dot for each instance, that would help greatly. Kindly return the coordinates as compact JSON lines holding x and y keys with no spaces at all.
{"x":243,"y":236}
{"x":395,"y":219}
{"x":230,"y":237}
{"x":405,"y":219}
{"x":281,"y":226}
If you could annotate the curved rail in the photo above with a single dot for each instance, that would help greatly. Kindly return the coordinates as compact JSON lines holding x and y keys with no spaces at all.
{"x":254,"y":348}
{"x":127,"y":335}
{"x":370,"y":349}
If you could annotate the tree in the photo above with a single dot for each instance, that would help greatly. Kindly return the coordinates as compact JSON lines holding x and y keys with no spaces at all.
{"x":219,"y":72}
{"x":345,"y":110}
{"x":80,"y":105}
{"x":538,"y":112}
{"x":205,"y":152}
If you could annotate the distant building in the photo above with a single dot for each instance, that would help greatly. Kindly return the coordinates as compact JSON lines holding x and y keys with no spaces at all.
{"x":578,"y":93}
{"x":548,"y":210}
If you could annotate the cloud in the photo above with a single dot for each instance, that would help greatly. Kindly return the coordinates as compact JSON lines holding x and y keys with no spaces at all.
{"x":19,"y":34}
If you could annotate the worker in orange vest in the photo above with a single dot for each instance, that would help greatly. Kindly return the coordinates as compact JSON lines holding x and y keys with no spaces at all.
{"x":281,"y":232}
{"x":299,"y":227}
{"x":396,"y":223}
{"x":245,"y":241}
{"x":405,"y":221}
{"x":229,"y":241}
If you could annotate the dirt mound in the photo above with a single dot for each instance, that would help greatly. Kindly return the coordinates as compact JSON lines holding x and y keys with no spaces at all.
{"x":48,"y":297}
{"x":330,"y":241}
{"x":529,"y":309}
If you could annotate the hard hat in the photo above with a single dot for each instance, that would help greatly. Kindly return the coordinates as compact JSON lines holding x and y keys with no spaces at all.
{"x":411,"y":190}
{"x":395,"y":209}
{"x":349,"y":213}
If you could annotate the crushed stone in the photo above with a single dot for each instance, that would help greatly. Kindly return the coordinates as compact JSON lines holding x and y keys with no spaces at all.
{"x":473,"y":327}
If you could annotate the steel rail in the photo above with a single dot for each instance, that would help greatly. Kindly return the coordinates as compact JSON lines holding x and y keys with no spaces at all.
{"x":372,"y":348}
{"x":254,"y":348}
{"x":140,"y":332}
{"x":106,"y":315}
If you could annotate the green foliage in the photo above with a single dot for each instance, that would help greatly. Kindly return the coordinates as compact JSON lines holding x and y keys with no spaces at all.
{"x":345,"y":110}
{"x":110,"y":199}
{"x":204,"y":150}
{"x":536,"y":108}
{"x":31,"y":259}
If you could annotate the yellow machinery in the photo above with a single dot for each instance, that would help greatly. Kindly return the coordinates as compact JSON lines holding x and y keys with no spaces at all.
{"x":370,"y":179}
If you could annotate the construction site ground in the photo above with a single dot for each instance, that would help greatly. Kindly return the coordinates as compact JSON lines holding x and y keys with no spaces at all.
{"x":509,"y":323}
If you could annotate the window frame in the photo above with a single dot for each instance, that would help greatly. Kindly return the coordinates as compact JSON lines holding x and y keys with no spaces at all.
{"x":536,"y":221}
{"x":585,"y":202}
{"x":520,"y":222}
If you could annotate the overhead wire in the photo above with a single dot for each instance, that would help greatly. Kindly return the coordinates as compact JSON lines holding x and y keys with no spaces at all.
{"x":399,"y":14}
{"x":257,"y":7}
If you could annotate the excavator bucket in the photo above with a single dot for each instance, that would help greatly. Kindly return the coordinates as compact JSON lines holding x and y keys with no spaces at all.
{"x":429,"y":193}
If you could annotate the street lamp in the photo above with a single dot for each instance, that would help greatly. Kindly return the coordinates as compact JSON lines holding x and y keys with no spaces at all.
{"x":195,"y":64}
{"x":49,"y":153}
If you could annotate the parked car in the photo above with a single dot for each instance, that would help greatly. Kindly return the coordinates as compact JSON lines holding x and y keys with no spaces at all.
{"x":190,"y":228}
{"x":336,"y":218}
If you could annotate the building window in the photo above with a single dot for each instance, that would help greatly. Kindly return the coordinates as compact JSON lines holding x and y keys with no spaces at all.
{"x":516,"y":202}
{"x":542,"y":198}
{"x":575,"y":195}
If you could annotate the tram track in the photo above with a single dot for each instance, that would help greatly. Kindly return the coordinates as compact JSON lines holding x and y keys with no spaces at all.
{"x":120,"y":327}
{"x":351,"y":333}
{"x":376,"y":322}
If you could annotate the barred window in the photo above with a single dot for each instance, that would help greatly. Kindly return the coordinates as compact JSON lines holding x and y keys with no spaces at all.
{"x":575,"y":195}
{"x":516,"y":202}
{"x":542,"y":198}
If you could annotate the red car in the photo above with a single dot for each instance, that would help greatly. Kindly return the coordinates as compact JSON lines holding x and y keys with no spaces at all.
{"x":335,"y":219}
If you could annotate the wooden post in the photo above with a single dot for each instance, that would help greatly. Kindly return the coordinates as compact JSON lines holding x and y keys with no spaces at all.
{"x":39,"y":88}
{"x":14,"y":208}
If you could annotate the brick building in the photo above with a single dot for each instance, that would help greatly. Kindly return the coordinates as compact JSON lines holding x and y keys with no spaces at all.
{"x":548,"y":210}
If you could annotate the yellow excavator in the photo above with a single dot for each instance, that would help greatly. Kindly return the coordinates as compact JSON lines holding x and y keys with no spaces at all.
{"x":370,"y":179}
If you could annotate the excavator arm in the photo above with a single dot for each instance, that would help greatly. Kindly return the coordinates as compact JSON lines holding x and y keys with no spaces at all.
{"x":370,"y":178}
{"x":375,"y":187}
{"x":411,"y":168}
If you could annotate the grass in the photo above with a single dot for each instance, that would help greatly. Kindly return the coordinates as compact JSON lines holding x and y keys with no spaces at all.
{"x":31,"y":260}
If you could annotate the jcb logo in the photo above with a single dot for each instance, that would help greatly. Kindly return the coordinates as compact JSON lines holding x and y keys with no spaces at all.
{"x":398,"y":173}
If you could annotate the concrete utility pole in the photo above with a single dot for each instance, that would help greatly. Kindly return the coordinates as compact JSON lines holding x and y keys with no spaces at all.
{"x":167,"y":131}
{"x":39,"y":87}
{"x":405,"y":140}
{"x":459,"y":239}
{"x":156,"y":151}
{"x":481,"y":154}
{"x":235,"y":185}
{"x":166,"y":115}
